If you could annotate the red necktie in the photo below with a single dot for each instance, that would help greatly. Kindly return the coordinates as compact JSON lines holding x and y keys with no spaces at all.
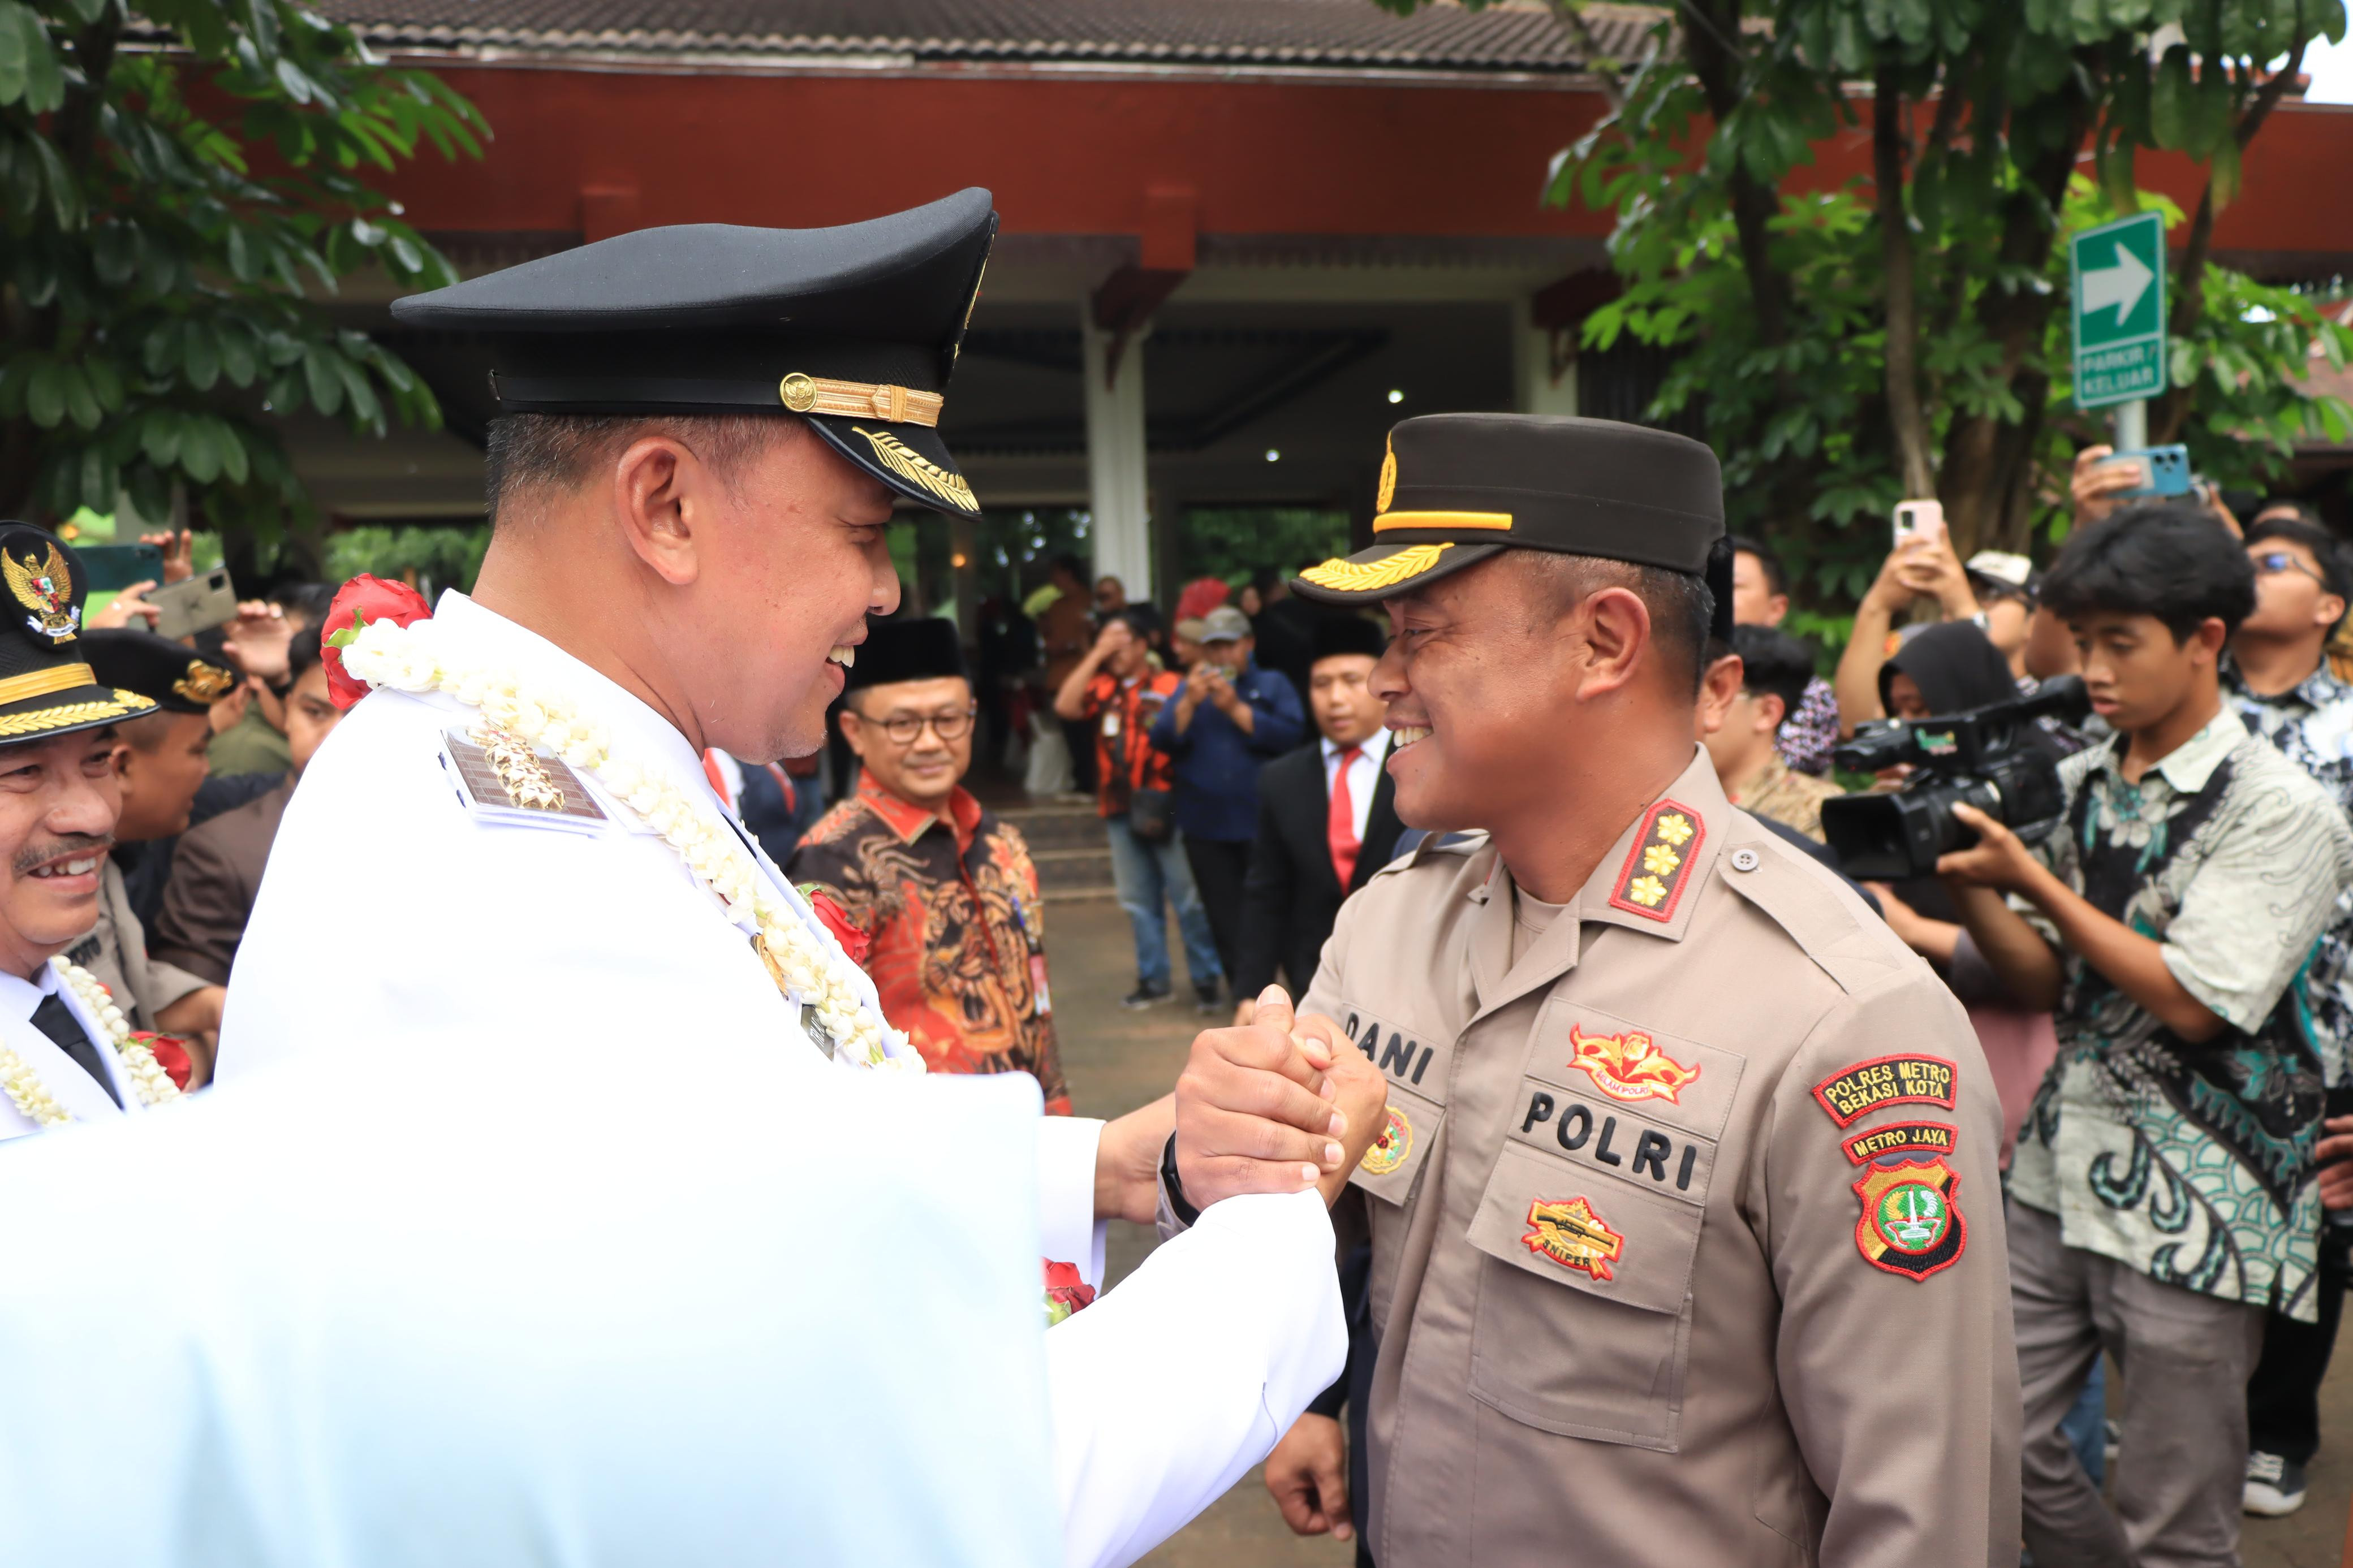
{"x":1342,"y":827}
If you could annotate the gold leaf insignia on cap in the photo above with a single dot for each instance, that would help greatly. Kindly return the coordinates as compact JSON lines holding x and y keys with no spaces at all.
{"x":205,"y":683}
{"x":1388,"y":477}
{"x":917,"y":469}
{"x":45,"y":588}
{"x":1343,"y":576}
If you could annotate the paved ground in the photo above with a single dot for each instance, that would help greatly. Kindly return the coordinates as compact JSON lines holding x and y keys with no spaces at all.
{"x":1117,"y":1060}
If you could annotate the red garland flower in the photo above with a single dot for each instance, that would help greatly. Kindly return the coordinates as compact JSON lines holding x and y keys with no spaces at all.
{"x":1066,"y":1293}
{"x":171,"y":1054}
{"x":359,"y":602}
{"x":837,"y":920}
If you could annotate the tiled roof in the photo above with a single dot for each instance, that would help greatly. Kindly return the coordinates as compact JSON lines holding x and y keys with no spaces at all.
{"x":1351,"y":35}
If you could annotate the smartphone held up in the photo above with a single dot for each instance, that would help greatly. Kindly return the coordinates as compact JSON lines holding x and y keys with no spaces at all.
{"x":1918,"y":519}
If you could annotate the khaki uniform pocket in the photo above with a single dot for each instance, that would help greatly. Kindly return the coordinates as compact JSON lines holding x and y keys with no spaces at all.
{"x":1583,"y":1324}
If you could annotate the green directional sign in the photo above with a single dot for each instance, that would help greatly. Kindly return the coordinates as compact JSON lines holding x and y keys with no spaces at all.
{"x":2118,"y":271}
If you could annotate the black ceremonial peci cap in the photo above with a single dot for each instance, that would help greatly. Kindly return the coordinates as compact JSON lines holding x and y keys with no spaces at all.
{"x":46,"y":686}
{"x":172,"y":675}
{"x":855,"y":328}
{"x":919,"y":650}
{"x":1344,"y":632}
{"x":1457,"y":489}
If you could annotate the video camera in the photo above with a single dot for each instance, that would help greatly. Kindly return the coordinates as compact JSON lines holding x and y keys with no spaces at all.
{"x":1982,"y":757}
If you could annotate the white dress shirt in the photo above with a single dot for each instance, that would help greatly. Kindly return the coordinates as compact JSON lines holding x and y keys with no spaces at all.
{"x":392,"y":918}
{"x":65,"y":1079}
{"x":1364,"y":775}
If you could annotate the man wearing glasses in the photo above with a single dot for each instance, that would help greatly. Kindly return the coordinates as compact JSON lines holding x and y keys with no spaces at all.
{"x":944,"y":893}
{"x":2278,"y":678}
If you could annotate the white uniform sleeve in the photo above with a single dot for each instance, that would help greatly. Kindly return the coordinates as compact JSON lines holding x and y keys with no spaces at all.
{"x":1171,"y":1386}
{"x":1068,"y":1228}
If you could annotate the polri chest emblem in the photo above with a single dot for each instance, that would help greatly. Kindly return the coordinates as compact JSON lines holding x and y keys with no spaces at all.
{"x":1571,"y":1234}
{"x":1629,"y":1067}
{"x":1911,"y":1224}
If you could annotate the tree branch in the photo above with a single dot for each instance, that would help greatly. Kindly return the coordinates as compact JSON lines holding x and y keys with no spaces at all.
{"x":1712,"y":51}
{"x":1908,"y":421}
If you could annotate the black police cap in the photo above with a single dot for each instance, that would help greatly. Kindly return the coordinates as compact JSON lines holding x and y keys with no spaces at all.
{"x":172,"y":675}
{"x":1458,"y":488}
{"x":46,"y":686}
{"x":922,"y":650}
{"x":855,"y":329}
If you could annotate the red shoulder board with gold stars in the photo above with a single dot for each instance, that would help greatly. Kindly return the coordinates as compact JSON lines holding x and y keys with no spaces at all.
{"x":1651,"y":882}
{"x":1911,"y":1222}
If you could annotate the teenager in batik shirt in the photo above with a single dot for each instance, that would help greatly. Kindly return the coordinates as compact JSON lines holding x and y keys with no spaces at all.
{"x":2279,"y":681}
{"x":2161,"y":1196}
{"x":943,"y":891}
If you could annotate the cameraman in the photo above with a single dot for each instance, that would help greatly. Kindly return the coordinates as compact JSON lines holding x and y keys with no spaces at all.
{"x":2161,"y":1197}
{"x":2278,"y":678}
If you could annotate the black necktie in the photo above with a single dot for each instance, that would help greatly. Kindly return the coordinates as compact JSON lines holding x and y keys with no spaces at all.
{"x":55,"y":1019}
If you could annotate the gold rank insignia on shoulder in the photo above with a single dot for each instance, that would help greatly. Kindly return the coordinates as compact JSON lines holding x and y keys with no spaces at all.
{"x":501,"y":779}
{"x":1651,"y":883}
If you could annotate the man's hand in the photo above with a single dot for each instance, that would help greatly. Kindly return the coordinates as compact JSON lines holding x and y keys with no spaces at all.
{"x":1127,"y":1161}
{"x":2094,"y":484}
{"x":1308,"y":1475}
{"x":2000,"y":860}
{"x":179,"y":553}
{"x":126,"y":606}
{"x":229,"y":711}
{"x":1929,"y":568}
{"x":1115,"y":636}
{"x":257,"y":641}
{"x":1255,"y":1112}
{"x":2336,"y":1157}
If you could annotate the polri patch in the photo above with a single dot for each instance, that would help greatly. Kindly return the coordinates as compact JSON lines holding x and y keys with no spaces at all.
{"x":1855,"y":1092}
{"x":1390,"y":1148}
{"x":1902,"y":1138}
{"x":1651,"y":882}
{"x":1571,"y":1234}
{"x":1629,"y":1067}
{"x":1911,"y":1224}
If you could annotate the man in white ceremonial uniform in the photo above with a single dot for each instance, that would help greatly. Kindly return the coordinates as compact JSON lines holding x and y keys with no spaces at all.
{"x":512,"y":844}
{"x":66,"y":1051}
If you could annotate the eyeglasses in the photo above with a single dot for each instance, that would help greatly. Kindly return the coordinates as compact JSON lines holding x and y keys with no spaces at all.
{"x":903,"y":728}
{"x":2271,"y":562}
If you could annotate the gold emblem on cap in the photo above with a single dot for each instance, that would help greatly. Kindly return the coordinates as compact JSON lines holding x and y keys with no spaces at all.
{"x":859,"y":399}
{"x":45,"y":588}
{"x":1343,"y":576}
{"x":798,"y":391}
{"x":205,"y":683}
{"x":1388,"y":477}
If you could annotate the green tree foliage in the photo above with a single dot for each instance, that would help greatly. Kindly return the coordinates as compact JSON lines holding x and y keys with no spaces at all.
{"x":444,"y":557}
{"x":1906,"y":334}
{"x":178,"y":186}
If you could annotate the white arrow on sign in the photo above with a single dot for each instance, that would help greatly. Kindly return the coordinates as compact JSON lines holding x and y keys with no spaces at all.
{"x":2121,"y":285}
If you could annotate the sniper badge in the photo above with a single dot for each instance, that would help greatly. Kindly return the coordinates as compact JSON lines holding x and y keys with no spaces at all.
{"x":1571,"y":1234}
{"x":1909,"y":1223}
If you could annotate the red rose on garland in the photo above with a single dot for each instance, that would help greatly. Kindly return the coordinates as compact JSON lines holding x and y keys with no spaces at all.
{"x":1066,"y":1293}
{"x":362,"y":601}
{"x":837,"y":920}
{"x":171,"y":1054}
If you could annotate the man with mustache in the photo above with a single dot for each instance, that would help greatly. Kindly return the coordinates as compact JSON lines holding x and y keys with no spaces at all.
{"x":65,"y":1050}
{"x":1686,"y":1233}
{"x":506,"y":893}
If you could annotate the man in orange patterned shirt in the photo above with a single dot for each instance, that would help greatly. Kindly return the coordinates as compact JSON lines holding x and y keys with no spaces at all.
{"x":945,"y":891}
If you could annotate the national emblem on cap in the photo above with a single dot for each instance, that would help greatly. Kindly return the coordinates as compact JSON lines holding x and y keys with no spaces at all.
{"x":1459,"y":488}
{"x":47,"y":685}
{"x":854,"y":329}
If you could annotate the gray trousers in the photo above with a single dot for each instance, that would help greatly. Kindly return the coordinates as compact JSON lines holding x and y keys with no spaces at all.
{"x":2185,"y":1359}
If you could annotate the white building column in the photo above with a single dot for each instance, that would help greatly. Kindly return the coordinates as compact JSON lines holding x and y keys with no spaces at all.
{"x":1536,"y":389}
{"x":1116,"y":475}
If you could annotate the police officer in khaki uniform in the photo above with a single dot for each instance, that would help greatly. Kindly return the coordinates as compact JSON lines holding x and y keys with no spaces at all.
{"x":1686,"y":1232}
